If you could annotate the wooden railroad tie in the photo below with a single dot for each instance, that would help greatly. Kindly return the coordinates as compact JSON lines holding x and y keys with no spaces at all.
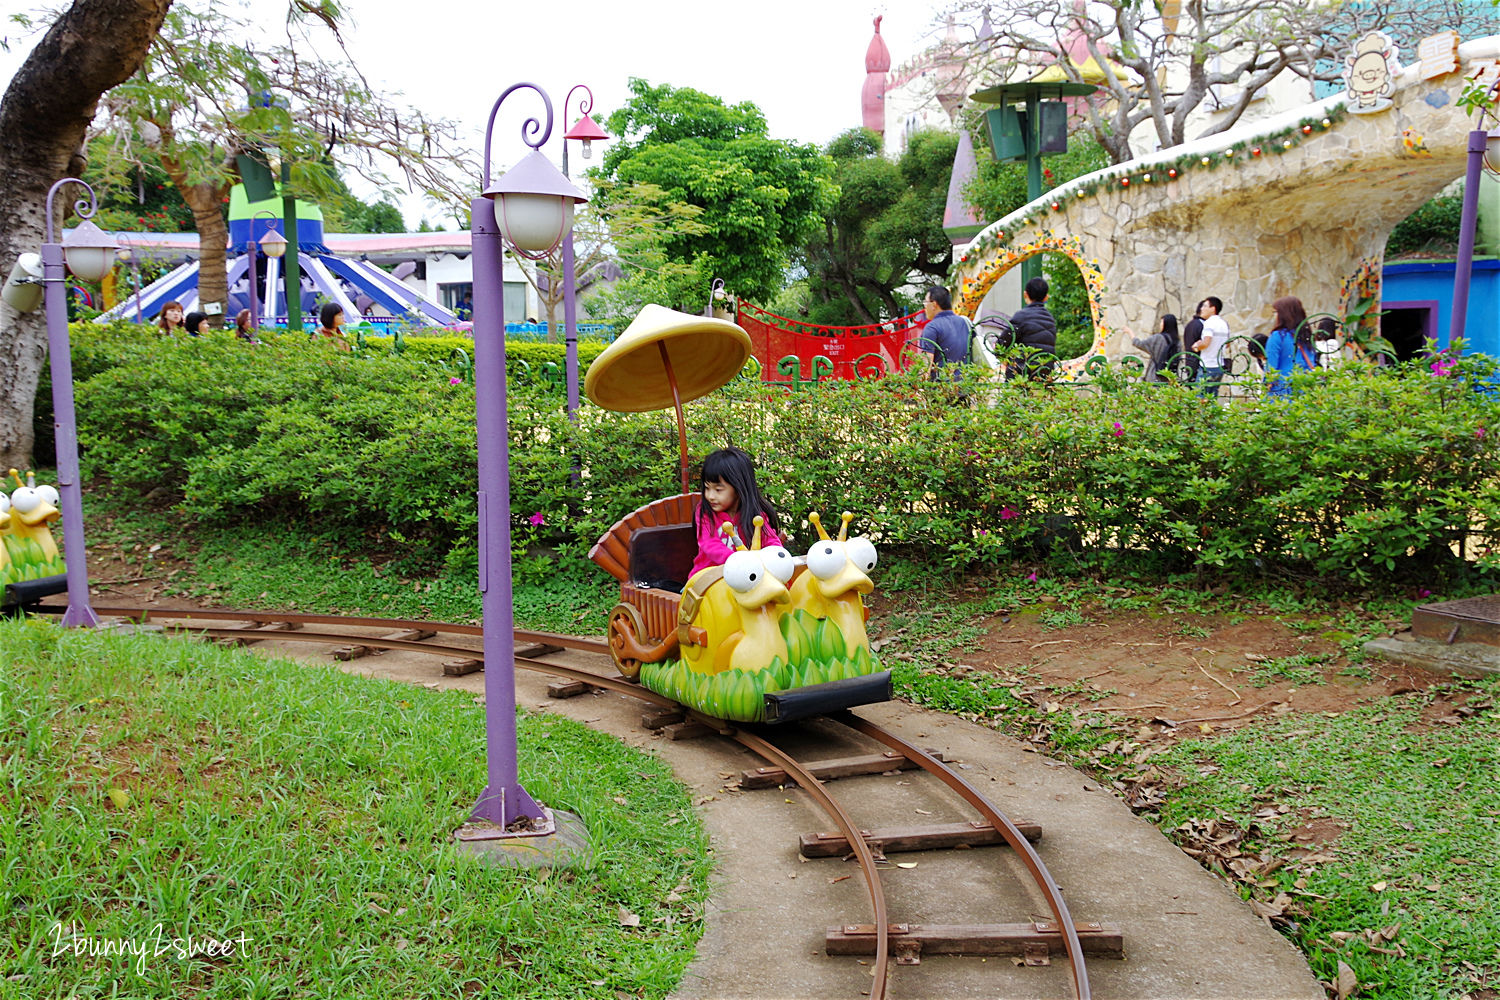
{"x":256,"y":627}
{"x":829,"y":770}
{"x":563,"y":688}
{"x":660,"y":718}
{"x":892,"y":840}
{"x":355,"y":652}
{"x":458,"y":668}
{"x":1036,"y":942}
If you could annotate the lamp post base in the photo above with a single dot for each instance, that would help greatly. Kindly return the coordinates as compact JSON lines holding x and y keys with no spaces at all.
{"x":510,"y":810}
{"x":80,"y":615}
{"x":564,"y":843}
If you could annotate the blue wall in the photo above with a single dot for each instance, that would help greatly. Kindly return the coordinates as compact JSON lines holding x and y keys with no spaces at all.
{"x":1418,"y":281}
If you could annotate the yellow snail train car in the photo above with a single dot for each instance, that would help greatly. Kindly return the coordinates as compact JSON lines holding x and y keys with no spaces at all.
{"x":766,"y":637}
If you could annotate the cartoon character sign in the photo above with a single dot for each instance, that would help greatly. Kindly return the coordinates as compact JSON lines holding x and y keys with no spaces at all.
{"x":1370,"y":73}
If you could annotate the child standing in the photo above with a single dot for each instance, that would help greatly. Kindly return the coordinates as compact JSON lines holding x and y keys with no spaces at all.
{"x":730,"y":496}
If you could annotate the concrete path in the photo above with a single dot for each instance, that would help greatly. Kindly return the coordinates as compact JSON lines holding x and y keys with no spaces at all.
{"x":1187,"y":935}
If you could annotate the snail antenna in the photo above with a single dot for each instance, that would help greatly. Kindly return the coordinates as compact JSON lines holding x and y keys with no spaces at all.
{"x":755,"y":538}
{"x":817,"y":522}
{"x":731,"y":537}
{"x":17,"y":477}
{"x":844,"y":531}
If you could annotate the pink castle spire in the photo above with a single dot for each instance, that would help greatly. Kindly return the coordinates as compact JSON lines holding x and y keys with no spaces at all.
{"x":877,"y":64}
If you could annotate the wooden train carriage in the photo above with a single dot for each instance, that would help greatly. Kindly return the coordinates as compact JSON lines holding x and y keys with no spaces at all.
{"x":652,"y":544}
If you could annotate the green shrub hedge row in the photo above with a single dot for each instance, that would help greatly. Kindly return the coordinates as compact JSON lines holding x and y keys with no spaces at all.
{"x":1360,"y":474}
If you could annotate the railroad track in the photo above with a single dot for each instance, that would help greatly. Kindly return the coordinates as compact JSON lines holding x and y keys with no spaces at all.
{"x":1033,"y":942}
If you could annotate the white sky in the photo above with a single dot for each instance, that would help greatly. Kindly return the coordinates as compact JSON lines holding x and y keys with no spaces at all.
{"x":800,"y":61}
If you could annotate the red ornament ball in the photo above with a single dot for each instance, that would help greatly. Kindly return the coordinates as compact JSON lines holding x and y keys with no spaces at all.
{"x":1056,"y":207}
{"x":1255,"y":151}
{"x":1125,"y":182}
{"x":1172,"y":173}
{"x":1307,"y":130}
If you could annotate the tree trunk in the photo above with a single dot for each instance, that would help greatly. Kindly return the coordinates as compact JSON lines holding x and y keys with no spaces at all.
{"x":207,"y":204}
{"x":94,"y":46}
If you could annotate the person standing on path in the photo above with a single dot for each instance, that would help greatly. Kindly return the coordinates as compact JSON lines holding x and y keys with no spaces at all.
{"x":1035,"y":332}
{"x":1211,"y":347}
{"x":945,"y":335}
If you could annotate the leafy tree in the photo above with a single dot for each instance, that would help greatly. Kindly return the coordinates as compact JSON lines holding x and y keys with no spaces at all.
{"x":92,"y":46}
{"x":625,"y":225}
{"x":998,"y":189}
{"x":204,"y":95}
{"x":885,"y":231}
{"x":759,"y":197}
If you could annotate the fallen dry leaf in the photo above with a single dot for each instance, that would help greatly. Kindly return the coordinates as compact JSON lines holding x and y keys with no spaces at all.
{"x":628,"y":919}
{"x":1347,"y":982}
{"x":906,"y":864}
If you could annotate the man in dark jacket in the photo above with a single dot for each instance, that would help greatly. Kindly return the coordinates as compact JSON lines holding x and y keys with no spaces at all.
{"x":1035,"y":332}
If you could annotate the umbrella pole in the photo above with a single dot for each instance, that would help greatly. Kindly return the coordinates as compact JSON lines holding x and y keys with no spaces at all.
{"x":676,"y":402}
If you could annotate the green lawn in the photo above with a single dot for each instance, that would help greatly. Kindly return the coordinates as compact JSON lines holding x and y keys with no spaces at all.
{"x":150,"y":782}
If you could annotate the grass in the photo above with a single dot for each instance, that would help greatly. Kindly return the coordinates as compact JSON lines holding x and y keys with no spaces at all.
{"x":1420,"y":848}
{"x":1301,"y":669}
{"x":147,"y":781}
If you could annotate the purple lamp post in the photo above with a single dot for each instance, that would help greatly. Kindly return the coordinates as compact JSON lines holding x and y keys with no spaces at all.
{"x":274,"y":245}
{"x":530,"y":208}
{"x":89,"y":253}
{"x":588,"y":131}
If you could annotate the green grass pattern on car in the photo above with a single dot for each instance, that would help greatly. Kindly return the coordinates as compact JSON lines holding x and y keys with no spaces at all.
{"x":28,"y":561}
{"x":817,"y":654}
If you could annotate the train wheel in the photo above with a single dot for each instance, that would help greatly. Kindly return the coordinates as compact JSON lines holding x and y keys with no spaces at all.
{"x":625,"y":632}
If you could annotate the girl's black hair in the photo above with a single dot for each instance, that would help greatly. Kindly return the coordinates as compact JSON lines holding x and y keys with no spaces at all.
{"x":327,"y":313}
{"x":1169,"y":327}
{"x":192,"y":321}
{"x":736,"y":469}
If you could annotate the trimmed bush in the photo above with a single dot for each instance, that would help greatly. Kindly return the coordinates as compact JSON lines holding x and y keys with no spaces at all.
{"x":1358,"y":475}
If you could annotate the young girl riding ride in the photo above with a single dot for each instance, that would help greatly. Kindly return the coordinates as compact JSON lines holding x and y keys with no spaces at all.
{"x":730,"y":496}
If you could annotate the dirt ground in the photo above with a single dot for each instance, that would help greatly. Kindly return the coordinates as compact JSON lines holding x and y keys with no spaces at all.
{"x":1199,"y":670}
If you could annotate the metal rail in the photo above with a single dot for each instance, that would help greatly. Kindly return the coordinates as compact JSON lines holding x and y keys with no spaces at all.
{"x":814,"y":787}
{"x":1001,"y":822}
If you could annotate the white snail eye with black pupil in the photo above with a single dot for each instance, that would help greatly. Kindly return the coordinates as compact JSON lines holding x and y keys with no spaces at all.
{"x":862,"y":553}
{"x":778,"y":562}
{"x":826,"y":559}
{"x":742,"y":571}
{"x":26,"y":499}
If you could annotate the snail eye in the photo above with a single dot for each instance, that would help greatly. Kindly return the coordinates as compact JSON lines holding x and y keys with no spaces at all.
{"x":26,"y":499}
{"x":49,"y":493}
{"x":778,"y":562}
{"x":862,"y":553}
{"x":825,"y":559}
{"x":743,"y":570}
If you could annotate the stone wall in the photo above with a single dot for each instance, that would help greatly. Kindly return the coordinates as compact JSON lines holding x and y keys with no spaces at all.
{"x":1302,"y":205}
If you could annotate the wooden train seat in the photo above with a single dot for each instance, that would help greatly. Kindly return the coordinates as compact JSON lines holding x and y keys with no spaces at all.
{"x":653,"y":543}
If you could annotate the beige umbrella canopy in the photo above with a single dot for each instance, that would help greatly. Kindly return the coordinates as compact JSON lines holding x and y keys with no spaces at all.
{"x":666,"y":358}
{"x":636,"y":373}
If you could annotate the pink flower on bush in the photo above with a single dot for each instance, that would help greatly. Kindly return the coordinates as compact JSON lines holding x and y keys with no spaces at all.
{"x":1479,"y":433}
{"x":537,"y":520}
{"x":1032,"y":577}
{"x":1006,"y":513}
{"x":1442,"y":366}
{"x":455,"y":380}
{"x":1119,"y":430}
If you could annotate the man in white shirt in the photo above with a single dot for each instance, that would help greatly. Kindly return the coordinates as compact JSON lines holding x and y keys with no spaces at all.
{"x":1211,"y":347}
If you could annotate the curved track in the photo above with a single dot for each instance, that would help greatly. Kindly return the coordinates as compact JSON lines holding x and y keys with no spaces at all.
{"x":753,"y":741}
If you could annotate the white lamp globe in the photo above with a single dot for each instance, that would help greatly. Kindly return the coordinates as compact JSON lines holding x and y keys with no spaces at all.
{"x":89,"y":251}
{"x":534,"y":223}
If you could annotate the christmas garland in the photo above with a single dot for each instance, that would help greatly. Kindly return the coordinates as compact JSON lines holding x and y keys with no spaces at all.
{"x":1158,"y":172}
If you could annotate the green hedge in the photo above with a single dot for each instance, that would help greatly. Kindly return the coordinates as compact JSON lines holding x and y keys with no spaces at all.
{"x":1357,"y":476}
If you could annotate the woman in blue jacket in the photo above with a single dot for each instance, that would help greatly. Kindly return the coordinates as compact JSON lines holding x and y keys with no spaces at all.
{"x":1290,"y":347}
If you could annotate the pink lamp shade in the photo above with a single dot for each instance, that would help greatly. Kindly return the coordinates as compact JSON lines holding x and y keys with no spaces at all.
{"x":587,"y":130}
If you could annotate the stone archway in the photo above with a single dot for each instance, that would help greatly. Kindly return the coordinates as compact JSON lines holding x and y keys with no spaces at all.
{"x":973,"y":290}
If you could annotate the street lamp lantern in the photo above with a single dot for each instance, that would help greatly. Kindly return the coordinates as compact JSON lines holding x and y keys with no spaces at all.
{"x":273,"y":244}
{"x":534,"y":205}
{"x":587,"y":130}
{"x":89,"y":251}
